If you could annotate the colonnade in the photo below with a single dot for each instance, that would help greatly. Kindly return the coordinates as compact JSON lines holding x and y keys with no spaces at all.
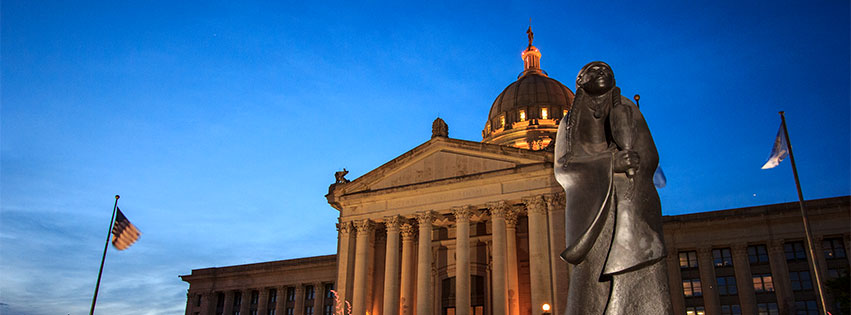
{"x":408,"y":275}
{"x":265,"y":300}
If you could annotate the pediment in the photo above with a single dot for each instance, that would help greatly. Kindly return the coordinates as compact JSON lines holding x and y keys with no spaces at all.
{"x":441,"y":159}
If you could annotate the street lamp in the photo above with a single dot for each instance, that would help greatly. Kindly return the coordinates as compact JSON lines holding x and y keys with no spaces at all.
{"x":546,"y":309}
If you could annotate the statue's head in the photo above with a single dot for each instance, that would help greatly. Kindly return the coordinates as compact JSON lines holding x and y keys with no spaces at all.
{"x":595,"y":78}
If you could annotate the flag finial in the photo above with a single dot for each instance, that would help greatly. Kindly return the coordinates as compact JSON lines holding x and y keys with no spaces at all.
{"x":117,"y":196}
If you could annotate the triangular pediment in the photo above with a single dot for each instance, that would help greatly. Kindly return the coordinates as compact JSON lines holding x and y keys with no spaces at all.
{"x":442,"y":159}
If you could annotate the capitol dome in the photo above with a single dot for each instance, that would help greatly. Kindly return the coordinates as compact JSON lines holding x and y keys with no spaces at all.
{"x":526,"y":114}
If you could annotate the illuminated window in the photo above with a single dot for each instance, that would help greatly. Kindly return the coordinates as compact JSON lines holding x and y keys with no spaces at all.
{"x":695,"y":310}
{"x":722,"y":257}
{"x":726,"y":285}
{"x":691,"y":287}
{"x":731,"y":309}
{"x":794,"y":251}
{"x":833,"y":248}
{"x":522,"y":115}
{"x":544,"y":113}
{"x":688,"y":260}
{"x":763,"y":283}
{"x":800,"y":280}
{"x":564,"y":113}
{"x":502,"y":121}
{"x":757,"y":254}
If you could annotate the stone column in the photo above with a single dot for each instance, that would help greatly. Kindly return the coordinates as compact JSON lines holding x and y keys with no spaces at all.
{"x":391,"y":266}
{"x":228,"y":307}
{"x":744,"y":281}
{"x":539,"y":255}
{"x":245,"y":303}
{"x":345,"y":253}
{"x":280,"y":303}
{"x":407,"y":288}
{"x":263,"y":301}
{"x":462,"y":260}
{"x":205,"y":303}
{"x":675,"y":280}
{"x":780,"y":275}
{"x":318,"y":298}
{"x":364,"y":228}
{"x":500,"y":272}
{"x":424,"y":290}
{"x":707,"y":280}
{"x":511,"y":260}
{"x":558,"y":271}
{"x":299,"y":300}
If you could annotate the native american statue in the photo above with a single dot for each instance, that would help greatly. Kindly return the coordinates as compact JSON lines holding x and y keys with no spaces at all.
{"x":605,"y":160}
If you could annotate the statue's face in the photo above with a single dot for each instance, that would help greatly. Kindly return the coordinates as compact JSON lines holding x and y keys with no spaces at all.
{"x":597,"y":79}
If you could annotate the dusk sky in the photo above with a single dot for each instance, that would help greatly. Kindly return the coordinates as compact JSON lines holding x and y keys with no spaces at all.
{"x":221,"y":124}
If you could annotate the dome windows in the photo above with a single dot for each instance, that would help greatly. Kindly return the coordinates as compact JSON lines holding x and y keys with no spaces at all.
{"x":544,"y":114}
{"x":522,"y":115}
{"x":502,"y":121}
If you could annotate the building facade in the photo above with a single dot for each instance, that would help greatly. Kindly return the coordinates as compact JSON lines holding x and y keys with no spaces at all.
{"x":464,"y":227}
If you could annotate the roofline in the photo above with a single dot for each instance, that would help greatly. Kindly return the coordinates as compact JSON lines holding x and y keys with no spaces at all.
{"x":253,"y":266}
{"x":769,"y":209}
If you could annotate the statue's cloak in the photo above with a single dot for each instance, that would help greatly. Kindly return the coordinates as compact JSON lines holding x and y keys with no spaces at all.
{"x":592,"y":188}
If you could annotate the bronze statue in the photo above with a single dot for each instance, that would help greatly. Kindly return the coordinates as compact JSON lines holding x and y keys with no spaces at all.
{"x":605,"y":160}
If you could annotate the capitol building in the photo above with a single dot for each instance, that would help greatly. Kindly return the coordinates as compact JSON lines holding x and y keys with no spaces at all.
{"x":457,"y":226}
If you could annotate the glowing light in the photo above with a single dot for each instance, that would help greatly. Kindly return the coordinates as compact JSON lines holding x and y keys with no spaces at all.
{"x":544,"y":113}
{"x":564,"y":112}
{"x":522,"y":115}
{"x":545,"y":307}
{"x":502,"y":121}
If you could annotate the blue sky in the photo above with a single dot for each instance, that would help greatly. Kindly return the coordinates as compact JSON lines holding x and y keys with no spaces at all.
{"x":221,"y":124}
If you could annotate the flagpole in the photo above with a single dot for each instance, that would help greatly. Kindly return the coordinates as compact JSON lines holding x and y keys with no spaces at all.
{"x":816,"y":270}
{"x":105,"y":247}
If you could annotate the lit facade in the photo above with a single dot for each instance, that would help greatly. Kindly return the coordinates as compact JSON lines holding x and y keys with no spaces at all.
{"x":463,"y":227}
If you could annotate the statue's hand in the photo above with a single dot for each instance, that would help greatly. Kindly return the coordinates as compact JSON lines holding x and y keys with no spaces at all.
{"x":626,"y":160}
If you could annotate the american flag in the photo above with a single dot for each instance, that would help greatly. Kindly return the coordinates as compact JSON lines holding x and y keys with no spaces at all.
{"x":124,"y":233}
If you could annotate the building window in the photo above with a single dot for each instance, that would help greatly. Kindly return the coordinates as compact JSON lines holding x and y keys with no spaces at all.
{"x":732,"y":309}
{"x":522,"y":115}
{"x":290,"y":294}
{"x":794,"y":251}
{"x":726,"y":285}
{"x":564,"y":113}
{"x":198,"y":300}
{"x":691,"y":287}
{"x":273,"y":296}
{"x":688,"y":259}
{"x":502,"y":121}
{"x":757,"y":254}
{"x":236,"y":312}
{"x":290,"y":311}
{"x":695,"y":310}
{"x":255,"y":296}
{"x":800,"y":280}
{"x":328,"y":294}
{"x":833,"y":248}
{"x":308,"y":310}
{"x":237,"y":299}
{"x":544,"y":113}
{"x":253,"y":312}
{"x":767,"y":309}
{"x":722,"y":257}
{"x":806,"y":307}
{"x":309,"y":293}
{"x":271,"y":312}
{"x":329,"y":310}
{"x":763,"y":283}
{"x":834,"y":273}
